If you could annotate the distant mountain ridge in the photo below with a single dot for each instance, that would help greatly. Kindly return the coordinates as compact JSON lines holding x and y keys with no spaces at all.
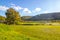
{"x":26,"y":17}
{"x":46,"y":16}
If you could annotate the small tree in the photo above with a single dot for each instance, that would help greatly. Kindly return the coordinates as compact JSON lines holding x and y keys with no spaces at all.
{"x":12,"y":16}
{"x":2,"y":19}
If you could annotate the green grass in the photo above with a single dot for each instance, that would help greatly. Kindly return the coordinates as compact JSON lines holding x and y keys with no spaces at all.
{"x":29,"y":32}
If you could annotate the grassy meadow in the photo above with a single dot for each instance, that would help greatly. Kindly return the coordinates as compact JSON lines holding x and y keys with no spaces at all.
{"x":29,"y":32}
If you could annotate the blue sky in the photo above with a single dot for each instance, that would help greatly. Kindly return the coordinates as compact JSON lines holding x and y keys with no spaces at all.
{"x":30,"y":7}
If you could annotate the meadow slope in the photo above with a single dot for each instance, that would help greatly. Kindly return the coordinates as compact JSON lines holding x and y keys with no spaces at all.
{"x":29,"y":32}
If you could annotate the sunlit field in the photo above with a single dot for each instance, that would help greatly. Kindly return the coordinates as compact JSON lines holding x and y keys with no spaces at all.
{"x":29,"y":32}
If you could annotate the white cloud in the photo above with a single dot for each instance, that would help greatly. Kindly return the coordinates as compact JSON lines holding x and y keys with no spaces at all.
{"x":37,"y":10}
{"x":45,"y":12}
{"x":16,"y":7}
{"x":3,"y":8}
{"x":26,"y":10}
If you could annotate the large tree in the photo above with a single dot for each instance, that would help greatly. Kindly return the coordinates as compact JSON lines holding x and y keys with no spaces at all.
{"x":12,"y":16}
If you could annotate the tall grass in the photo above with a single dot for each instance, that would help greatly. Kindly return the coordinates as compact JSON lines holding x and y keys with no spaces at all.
{"x":29,"y":32}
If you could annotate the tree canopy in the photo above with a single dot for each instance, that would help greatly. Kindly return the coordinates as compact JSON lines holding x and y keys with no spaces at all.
{"x":12,"y":16}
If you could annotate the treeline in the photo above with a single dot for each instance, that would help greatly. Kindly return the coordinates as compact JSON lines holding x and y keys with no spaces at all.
{"x":13,"y":17}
